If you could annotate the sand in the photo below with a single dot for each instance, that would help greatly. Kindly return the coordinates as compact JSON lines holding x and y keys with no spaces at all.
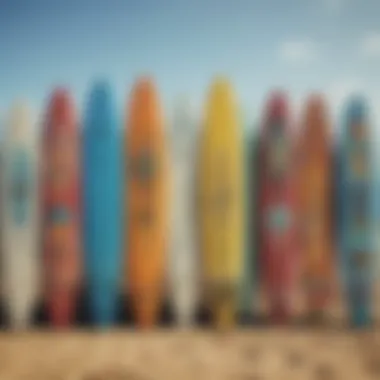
{"x":244,"y":354}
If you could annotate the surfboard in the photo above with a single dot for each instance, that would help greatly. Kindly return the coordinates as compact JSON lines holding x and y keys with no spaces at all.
{"x":20,"y":261}
{"x":248,"y":278}
{"x":221,"y":208}
{"x":61,"y":205}
{"x":277,"y":209}
{"x":315,"y":191}
{"x":147,"y":203}
{"x":357,"y":211}
{"x":102,"y":203}
{"x":183,"y":255}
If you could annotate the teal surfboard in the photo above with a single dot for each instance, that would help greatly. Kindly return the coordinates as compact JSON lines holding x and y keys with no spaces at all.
{"x":357,"y":211}
{"x":103,"y":206}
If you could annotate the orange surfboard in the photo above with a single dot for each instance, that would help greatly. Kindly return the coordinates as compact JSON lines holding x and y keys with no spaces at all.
{"x":315,"y":176}
{"x":146,"y":203}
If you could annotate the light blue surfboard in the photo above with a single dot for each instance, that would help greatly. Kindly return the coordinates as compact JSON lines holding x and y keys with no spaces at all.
{"x":102,"y":202}
{"x":357,"y":211}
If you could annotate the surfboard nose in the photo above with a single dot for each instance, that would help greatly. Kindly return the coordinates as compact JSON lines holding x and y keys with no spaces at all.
{"x":144,"y":105}
{"x":277,"y":105}
{"x":221,"y":105}
{"x":183,"y":109}
{"x":315,"y":118}
{"x":183,"y":120}
{"x":357,"y":109}
{"x":144,"y":91}
{"x":100,"y":108}
{"x":221,"y":91}
{"x":61,"y":110}
{"x":356,"y":119}
{"x":19,"y":120}
{"x":315,"y":104}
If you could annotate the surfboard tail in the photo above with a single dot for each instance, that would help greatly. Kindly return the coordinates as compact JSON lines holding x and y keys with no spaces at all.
{"x":225,"y":314}
{"x":62,"y":310}
{"x":360,"y":316}
{"x":20,"y":292}
{"x":185,"y":318}
{"x":317,"y":296}
{"x":184,"y":302}
{"x":103,"y":304}
{"x":20,"y":312}
{"x":223,"y":300}
{"x":146,"y":304}
{"x":280,"y":314}
{"x":359,"y":305}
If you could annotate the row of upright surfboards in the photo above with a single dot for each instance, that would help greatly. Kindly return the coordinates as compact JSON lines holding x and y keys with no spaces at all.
{"x":206,"y":214}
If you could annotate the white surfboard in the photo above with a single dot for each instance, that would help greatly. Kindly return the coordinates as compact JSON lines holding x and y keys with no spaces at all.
{"x":20,"y":260}
{"x":183,"y":259}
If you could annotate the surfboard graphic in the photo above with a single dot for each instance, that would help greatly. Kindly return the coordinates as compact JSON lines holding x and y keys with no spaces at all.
{"x":221,"y":196}
{"x":315,"y":191}
{"x":61,"y":237}
{"x":20,"y":264}
{"x":277,"y":208}
{"x":183,"y":259}
{"x":357,"y":210}
{"x":146,"y":202}
{"x":102,"y":203}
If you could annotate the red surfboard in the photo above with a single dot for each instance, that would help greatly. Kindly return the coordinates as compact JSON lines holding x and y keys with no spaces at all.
{"x":61,"y":209}
{"x":277,"y":208}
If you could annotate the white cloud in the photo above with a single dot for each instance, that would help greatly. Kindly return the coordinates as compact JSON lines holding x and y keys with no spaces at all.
{"x":370,"y":45}
{"x":298,"y":52}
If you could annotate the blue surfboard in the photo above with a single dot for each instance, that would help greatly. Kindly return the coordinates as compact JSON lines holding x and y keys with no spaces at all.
{"x":103,"y":206}
{"x":357,"y":211}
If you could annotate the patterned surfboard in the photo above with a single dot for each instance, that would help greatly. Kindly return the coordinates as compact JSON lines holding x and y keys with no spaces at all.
{"x":277,"y":208}
{"x":315,"y":167}
{"x":147,"y":203}
{"x":357,"y":211}
{"x":20,"y":262}
{"x":61,"y":207}
{"x":221,"y":208}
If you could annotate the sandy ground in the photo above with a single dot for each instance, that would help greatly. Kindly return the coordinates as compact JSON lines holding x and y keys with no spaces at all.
{"x":252,"y":354}
{"x":329,"y":352}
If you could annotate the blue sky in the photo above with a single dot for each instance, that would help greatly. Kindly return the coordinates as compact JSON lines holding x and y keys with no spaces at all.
{"x":301,"y":45}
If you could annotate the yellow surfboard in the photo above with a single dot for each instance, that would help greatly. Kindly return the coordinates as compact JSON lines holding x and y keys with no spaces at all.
{"x":221,"y":203}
